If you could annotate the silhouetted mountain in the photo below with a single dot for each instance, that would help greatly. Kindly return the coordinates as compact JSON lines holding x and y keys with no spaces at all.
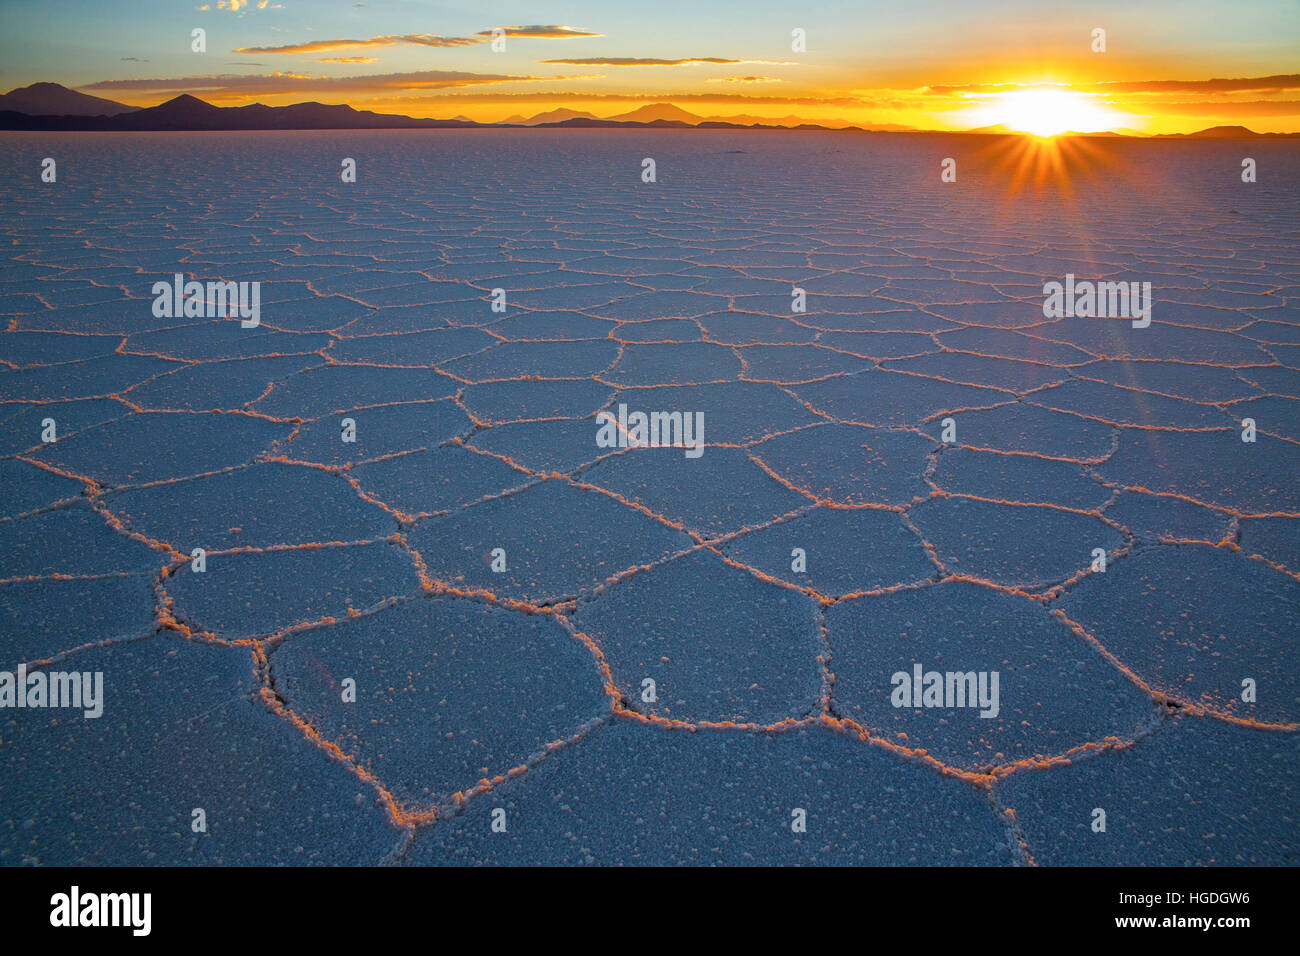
{"x":799,"y":122}
{"x":658,"y":111}
{"x":669,"y":116}
{"x":1221,"y":132}
{"x":550,"y":116}
{"x":183,"y":112}
{"x":582,"y":122}
{"x":998,"y":130}
{"x":187,"y":112}
{"x":51,"y":99}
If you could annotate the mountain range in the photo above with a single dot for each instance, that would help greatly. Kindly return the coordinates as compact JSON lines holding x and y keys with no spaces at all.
{"x":49,"y":106}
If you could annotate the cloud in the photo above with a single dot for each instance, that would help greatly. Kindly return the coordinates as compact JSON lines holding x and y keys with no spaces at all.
{"x":347,"y":59}
{"x":232,"y":86}
{"x":742,"y":79}
{"x":1275,"y":83}
{"x":393,"y":39}
{"x":654,"y":61}
{"x":986,"y":88}
{"x":543,"y":32}
{"x":235,"y":6}
{"x":1230,"y":108}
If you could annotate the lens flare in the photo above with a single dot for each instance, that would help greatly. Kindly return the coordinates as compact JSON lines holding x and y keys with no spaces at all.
{"x":1048,"y":112}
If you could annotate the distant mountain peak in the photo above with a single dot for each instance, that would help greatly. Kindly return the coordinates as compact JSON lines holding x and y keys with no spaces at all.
{"x":53,"y":99}
{"x":1226,"y":131}
{"x":188,"y":100}
{"x":1217,"y":132}
{"x":558,"y":115}
{"x":657,"y":111}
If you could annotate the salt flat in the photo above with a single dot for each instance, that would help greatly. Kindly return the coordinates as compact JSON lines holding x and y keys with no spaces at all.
{"x":473,"y":635}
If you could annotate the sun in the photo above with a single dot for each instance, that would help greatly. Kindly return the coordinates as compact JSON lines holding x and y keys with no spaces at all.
{"x":1049,"y":111}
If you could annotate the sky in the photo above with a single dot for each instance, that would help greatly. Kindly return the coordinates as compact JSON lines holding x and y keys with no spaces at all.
{"x":1167,"y":65}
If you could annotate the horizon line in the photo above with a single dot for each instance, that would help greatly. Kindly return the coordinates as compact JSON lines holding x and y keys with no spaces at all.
{"x":579,"y":119}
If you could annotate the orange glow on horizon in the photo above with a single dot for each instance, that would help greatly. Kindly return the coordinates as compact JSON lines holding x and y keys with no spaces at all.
{"x":1048,"y":111}
{"x":1043,"y":108}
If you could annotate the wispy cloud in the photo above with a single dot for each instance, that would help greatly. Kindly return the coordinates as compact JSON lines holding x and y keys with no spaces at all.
{"x":235,"y":6}
{"x":393,"y":39}
{"x":1275,"y":83}
{"x":743,"y":79}
{"x":347,"y":59}
{"x":536,"y":31}
{"x":544,"y":32}
{"x":1232,"y":108}
{"x":655,"y":61}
